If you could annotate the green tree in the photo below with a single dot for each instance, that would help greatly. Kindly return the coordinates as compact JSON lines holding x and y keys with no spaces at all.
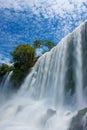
{"x":37,"y":44}
{"x":49,"y":44}
{"x":23,"y":55}
{"x":4,"y":68}
{"x":23,"y":58}
{"x":45,"y":45}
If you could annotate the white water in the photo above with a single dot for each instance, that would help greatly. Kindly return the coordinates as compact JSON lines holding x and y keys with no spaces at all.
{"x":79,"y":67}
{"x":41,"y":103}
{"x":5,"y":88}
{"x":6,"y":84}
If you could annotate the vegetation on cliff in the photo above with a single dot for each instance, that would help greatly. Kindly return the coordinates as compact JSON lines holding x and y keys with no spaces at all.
{"x":45,"y":45}
{"x":23,"y":58}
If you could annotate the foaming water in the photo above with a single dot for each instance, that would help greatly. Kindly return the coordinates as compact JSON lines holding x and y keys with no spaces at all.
{"x":53,"y":91}
{"x":26,"y":114}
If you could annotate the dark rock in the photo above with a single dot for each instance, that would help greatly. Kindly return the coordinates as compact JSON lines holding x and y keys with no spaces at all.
{"x":79,"y":122}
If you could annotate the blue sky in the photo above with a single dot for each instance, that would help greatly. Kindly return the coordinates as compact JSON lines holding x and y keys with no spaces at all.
{"x":23,"y":21}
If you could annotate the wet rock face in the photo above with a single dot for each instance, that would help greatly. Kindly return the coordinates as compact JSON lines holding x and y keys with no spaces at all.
{"x":84,"y":122}
{"x":79,"y":122}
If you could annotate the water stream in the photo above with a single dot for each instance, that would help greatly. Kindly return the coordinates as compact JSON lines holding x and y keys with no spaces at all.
{"x":44,"y":101}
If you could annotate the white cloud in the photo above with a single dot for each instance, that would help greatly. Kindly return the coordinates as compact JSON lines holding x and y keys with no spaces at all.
{"x":9,"y":4}
{"x":68,"y":12}
{"x":17,"y":4}
{"x":48,"y":7}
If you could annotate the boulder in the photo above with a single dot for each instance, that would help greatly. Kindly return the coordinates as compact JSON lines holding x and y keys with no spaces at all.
{"x":79,"y":121}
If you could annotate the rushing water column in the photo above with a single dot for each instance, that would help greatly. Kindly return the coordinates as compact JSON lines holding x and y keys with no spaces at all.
{"x":59,"y":72}
{"x":54,"y":87}
{"x":79,"y":65}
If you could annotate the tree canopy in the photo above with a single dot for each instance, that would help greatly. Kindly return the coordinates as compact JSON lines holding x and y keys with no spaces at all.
{"x":23,"y":55}
{"x":45,"y":45}
{"x":4,"y":68}
{"x":23,"y":58}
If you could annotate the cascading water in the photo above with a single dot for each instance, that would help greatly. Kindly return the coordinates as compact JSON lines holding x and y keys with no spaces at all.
{"x":6,"y":82}
{"x":5,"y":87}
{"x":79,"y":67}
{"x":52,"y":90}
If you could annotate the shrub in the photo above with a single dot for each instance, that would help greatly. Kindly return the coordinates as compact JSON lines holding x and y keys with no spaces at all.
{"x":23,"y":58}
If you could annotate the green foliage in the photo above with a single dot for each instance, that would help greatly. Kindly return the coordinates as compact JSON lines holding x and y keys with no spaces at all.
{"x":23,"y":57}
{"x":37,"y":44}
{"x":45,"y":45}
{"x":4,"y":68}
{"x":49,"y":44}
{"x":17,"y":77}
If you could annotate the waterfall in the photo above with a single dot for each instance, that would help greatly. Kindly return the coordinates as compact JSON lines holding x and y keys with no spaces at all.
{"x":59,"y":72}
{"x":3,"y":80}
{"x":47,"y":77}
{"x":7,"y":82}
{"x":5,"y":87}
{"x":79,"y":67}
{"x":53,"y":90}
